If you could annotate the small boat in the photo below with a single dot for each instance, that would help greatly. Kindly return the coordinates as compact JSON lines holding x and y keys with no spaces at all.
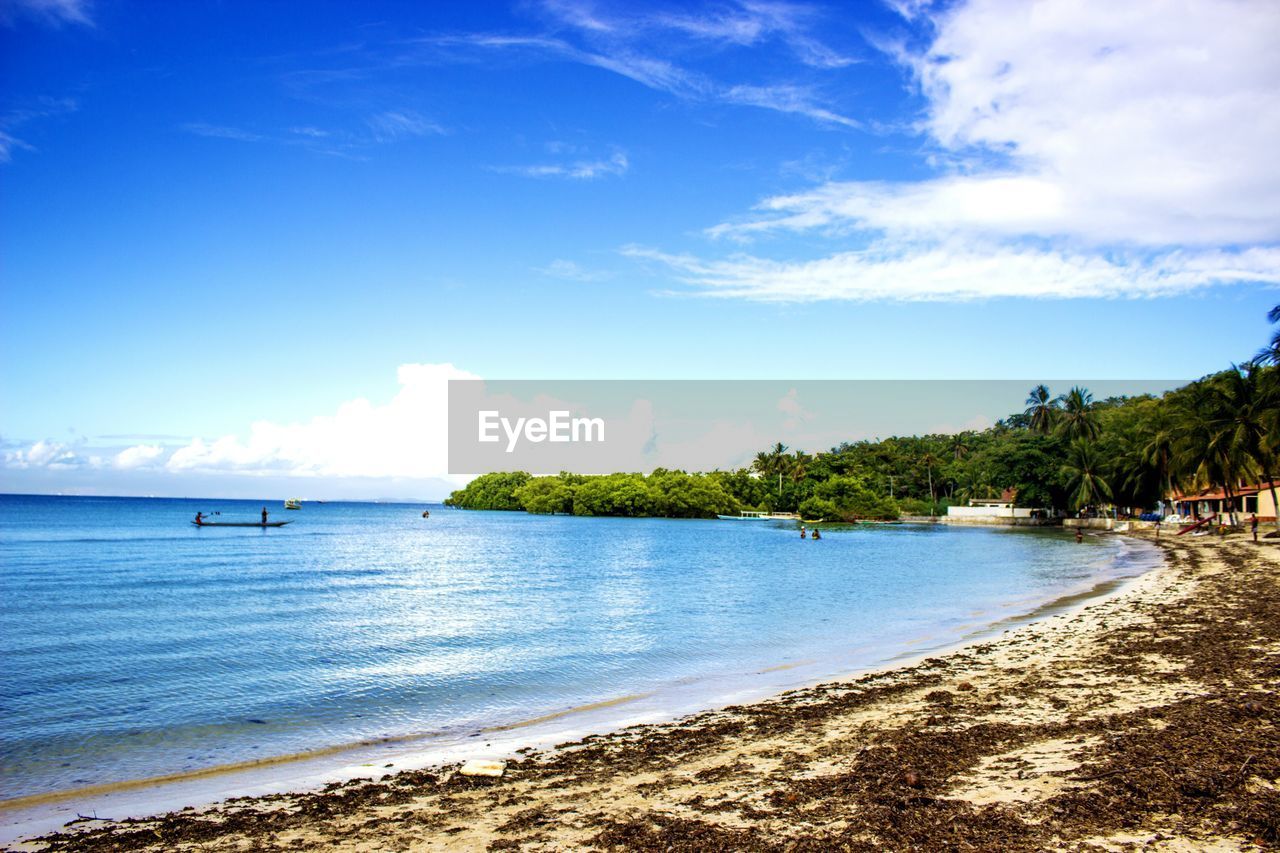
{"x":293,"y":503}
{"x":1194,"y":525}
{"x":241,"y":523}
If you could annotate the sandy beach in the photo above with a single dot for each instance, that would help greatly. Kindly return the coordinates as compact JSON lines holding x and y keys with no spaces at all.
{"x":1146,"y":720}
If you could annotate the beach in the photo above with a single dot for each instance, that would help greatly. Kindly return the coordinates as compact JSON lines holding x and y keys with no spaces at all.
{"x":1144,"y":719}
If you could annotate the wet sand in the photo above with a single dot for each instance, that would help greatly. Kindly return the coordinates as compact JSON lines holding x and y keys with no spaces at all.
{"x":1148,"y":720}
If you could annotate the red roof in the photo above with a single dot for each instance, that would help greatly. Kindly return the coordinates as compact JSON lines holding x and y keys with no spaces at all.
{"x":1217,"y":494}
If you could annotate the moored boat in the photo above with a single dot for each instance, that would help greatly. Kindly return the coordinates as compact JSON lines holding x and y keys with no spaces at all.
{"x":241,"y":523}
{"x":293,"y":503}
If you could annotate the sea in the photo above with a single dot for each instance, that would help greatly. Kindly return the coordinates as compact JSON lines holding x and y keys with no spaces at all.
{"x":135,"y":645}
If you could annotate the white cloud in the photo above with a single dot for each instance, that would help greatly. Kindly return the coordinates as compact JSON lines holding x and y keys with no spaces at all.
{"x":43,"y":454}
{"x":959,"y":272}
{"x":138,"y":456}
{"x":405,"y":438}
{"x":1093,"y":149}
{"x":797,"y":415}
{"x":1140,"y":123}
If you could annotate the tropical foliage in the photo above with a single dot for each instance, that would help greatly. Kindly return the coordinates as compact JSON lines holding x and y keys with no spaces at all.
{"x":1067,"y":452}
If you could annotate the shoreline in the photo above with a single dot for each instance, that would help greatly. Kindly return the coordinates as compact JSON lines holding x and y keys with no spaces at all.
{"x":1146,"y":717}
{"x":309,"y":771}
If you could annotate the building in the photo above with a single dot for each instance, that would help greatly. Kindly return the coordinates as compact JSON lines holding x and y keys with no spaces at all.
{"x":1248,"y":499}
{"x":996,"y":511}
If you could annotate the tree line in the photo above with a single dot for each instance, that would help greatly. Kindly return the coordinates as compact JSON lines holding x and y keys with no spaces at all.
{"x":1066,"y":452}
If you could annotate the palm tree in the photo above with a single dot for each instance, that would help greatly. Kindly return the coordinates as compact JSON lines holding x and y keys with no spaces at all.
{"x":1246,"y":412}
{"x":772,"y":462}
{"x":928,"y":460}
{"x":976,"y":484}
{"x":961,"y":444}
{"x":1042,"y":410}
{"x":1077,"y":419}
{"x":1132,"y":475}
{"x":1083,"y":470}
{"x":1157,"y":450}
{"x":1208,"y":452}
{"x":799,"y":466}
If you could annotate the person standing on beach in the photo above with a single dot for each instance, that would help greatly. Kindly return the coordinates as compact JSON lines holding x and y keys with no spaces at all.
{"x":1253,"y":526}
{"x":264,"y":515}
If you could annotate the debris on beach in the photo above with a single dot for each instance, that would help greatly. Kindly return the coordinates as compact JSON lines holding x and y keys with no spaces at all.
{"x":482,"y":767}
{"x":1147,"y":719}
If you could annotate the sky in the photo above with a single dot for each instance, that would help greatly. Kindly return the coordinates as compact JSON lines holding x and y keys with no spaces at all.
{"x":244,"y":246}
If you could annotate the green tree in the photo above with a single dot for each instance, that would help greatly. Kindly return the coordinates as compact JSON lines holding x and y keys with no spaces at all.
{"x":1085,"y":480}
{"x":1042,"y":410}
{"x":490,"y":491}
{"x":1246,"y":415}
{"x":545,"y":495}
{"x":1077,"y":419}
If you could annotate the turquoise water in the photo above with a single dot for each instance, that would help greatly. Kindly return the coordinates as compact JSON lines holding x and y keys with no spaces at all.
{"x":134,"y":644}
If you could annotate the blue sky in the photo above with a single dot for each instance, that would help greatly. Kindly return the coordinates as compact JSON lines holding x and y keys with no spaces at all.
{"x":221,"y":215}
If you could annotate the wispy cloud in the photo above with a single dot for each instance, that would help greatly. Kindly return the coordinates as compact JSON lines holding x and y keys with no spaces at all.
{"x":953,"y":272}
{"x":389,"y":126}
{"x":786,"y":99}
{"x":36,"y":110}
{"x":219,"y":131}
{"x":750,"y":23}
{"x":9,"y":144}
{"x":572,"y":271}
{"x":51,"y":12}
{"x":615,"y":165}
{"x":394,"y":125}
{"x":658,"y":50}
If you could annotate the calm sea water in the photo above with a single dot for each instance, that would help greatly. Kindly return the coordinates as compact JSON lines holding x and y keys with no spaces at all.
{"x":134,"y":644}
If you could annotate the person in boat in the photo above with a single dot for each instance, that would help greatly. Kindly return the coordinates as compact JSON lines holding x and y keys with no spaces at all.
{"x":817,"y":534}
{"x":199,"y":518}
{"x":264,"y":515}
